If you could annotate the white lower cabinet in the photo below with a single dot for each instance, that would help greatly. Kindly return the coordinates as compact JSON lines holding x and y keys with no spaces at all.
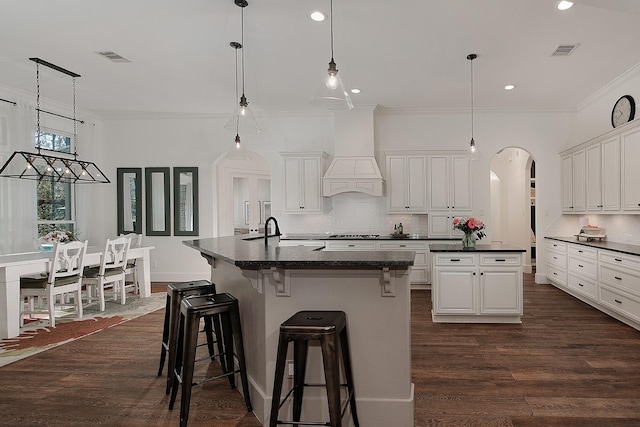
{"x":420,"y":270}
{"x":607,"y":280}
{"x":477,"y":287}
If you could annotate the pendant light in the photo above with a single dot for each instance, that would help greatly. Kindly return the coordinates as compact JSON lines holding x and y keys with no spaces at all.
{"x":331,"y":94}
{"x":237,"y":152}
{"x":243,"y":118}
{"x":57,"y":166}
{"x":472,"y":150}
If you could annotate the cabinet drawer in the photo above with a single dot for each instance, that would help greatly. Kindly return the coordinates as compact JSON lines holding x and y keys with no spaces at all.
{"x":500,"y":259}
{"x":583,"y":286}
{"x":619,"y":302}
{"x":584,"y":267}
{"x":350,"y":245}
{"x":557,"y":260}
{"x":454,"y":259}
{"x":582,"y":251}
{"x":554,"y":245}
{"x":407,"y":246}
{"x":557,"y":275}
{"x":626,"y":279}
{"x":616,"y":258}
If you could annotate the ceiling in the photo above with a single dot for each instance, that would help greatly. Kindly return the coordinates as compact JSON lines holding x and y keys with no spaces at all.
{"x":408,"y":55}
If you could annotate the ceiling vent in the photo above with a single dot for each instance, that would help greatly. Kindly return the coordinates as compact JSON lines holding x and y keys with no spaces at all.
{"x":112,"y":56}
{"x":564,"y":50}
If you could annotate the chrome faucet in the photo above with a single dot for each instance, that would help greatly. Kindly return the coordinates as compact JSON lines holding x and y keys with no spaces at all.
{"x":266,"y":229}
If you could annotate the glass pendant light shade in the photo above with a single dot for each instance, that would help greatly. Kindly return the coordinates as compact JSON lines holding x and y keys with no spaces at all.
{"x":237,"y":152}
{"x":331,"y":94}
{"x":243,"y":121}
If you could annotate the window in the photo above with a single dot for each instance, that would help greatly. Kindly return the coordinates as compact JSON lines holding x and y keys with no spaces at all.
{"x":55,"y":202}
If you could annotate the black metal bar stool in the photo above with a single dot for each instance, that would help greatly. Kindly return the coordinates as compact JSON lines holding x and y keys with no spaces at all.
{"x":328,"y":327}
{"x":176,"y":292}
{"x":192,"y":309}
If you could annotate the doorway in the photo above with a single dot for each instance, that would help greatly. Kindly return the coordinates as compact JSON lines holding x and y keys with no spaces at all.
{"x":513,"y":201}
{"x":242,"y":194}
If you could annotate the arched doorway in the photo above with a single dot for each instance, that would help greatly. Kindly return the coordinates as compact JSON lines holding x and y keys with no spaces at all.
{"x":242,"y":194}
{"x":513,"y":196}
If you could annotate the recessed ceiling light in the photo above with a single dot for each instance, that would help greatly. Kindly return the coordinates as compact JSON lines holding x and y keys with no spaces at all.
{"x":355,"y":90}
{"x":317,"y":16}
{"x":564,"y":5}
{"x":509,"y":87}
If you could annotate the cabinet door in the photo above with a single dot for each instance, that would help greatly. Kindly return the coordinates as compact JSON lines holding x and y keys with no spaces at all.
{"x":396,"y":183}
{"x":454,"y":291}
{"x":579,"y":182}
{"x":567,"y":184}
{"x":439,"y":176}
{"x":311,"y":184}
{"x":594,"y":177}
{"x":460,"y":183}
{"x":611,"y":174}
{"x":417,"y":184}
{"x":439,"y":225}
{"x":630,"y":149}
{"x":500,"y":291}
{"x":293,"y":184}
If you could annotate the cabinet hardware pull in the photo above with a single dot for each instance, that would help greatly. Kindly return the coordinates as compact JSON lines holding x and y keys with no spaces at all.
{"x":555,"y":257}
{"x":618,"y":301}
{"x":618,"y":259}
{"x":618,"y":278}
{"x":579,"y":251}
{"x":555,"y":274}
{"x":403,"y":246}
{"x":580,"y":284}
{"x":455,"y":259}
{"x":352,"y":246}
{"x":581,"y":266}
{"x":482,"y":273}
{"x":500,"y":260}
{"x":474,"y":273}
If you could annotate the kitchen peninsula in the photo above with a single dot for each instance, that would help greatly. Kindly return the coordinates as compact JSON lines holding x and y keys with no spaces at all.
{"x":273,"y":282}
{"x":479,"y":285}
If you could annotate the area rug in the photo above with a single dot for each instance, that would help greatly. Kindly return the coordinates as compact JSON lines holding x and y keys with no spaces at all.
{"x":37,"y":336}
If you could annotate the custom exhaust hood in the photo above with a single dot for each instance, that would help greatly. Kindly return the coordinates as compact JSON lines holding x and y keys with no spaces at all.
{"x":354,"y":167}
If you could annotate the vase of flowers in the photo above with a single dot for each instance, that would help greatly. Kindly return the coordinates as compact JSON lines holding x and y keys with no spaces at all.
{"x":48,"y":241}
{"x":472,"y":229}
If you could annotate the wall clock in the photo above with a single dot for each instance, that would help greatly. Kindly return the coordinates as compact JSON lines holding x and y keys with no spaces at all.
{"x":623,"y":111}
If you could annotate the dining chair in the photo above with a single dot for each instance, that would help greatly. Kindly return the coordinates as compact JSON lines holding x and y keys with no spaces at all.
{"x":110,"y":274}
{"x":131,"y":268}
{"x":64,"y":277}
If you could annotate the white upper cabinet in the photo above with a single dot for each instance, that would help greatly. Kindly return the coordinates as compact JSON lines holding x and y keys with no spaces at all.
{"x":303,"y":182}
{"x":611,"y":174}
{"x":450,"y":183}
{"x":574,"y":182}
{"x":407,"y":183}
{"x":630,"y":151}
{"x":603,"y":175}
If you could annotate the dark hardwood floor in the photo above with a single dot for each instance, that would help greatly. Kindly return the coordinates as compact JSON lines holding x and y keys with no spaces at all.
{"x":566,"y":365}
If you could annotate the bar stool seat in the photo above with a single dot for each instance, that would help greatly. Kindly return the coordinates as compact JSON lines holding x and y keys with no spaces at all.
{"x":192,"y":309}
{"x":329,"y":327}
{"x":176,"y":292}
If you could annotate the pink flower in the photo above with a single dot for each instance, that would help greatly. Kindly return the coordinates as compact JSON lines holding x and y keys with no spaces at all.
{"x":456,"y":221}
{"x":471,"y":223}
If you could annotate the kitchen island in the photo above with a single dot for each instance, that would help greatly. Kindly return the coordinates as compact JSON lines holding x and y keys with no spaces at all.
{"x":480,"y":285}
{"x":371,"y":287}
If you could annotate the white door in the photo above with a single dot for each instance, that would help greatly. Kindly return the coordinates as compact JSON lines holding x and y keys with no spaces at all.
{"x":439,"y":183}
{"x":594,"y":178}
{"x":500,"y":291}
{"x":611,"y":174}
{"x":630,"y":148}
{"x":454,"y":291}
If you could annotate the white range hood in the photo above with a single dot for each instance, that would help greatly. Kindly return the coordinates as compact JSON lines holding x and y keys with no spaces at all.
{"x":354,"y":167}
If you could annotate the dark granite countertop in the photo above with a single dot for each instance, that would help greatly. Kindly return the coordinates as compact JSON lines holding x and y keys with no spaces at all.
{"x":624,"y":248}
{"x":370,"y":237}
{"x":253,"y":254}
{"x":457,"y":247}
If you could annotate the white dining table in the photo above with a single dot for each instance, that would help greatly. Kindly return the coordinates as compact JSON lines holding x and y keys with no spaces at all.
{"x":13,"y":266}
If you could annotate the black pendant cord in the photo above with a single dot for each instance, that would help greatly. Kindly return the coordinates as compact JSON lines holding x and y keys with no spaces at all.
{"x":242,"y":43}
{"x":237,"y":116}
{"x":7,"y":101}
{"x":331,"y":27}
{"x":472,"y":98}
